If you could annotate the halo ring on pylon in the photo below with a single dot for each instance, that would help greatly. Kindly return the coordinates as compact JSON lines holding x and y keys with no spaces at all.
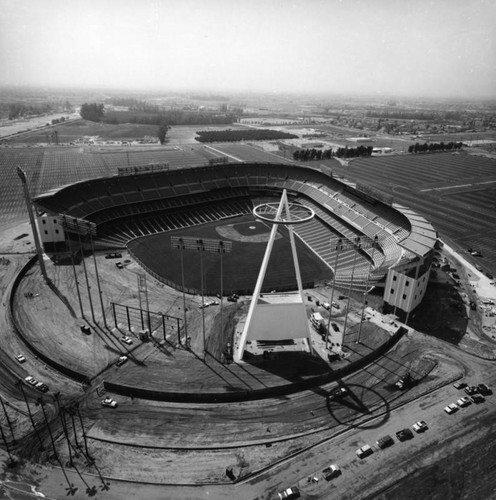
{"x":297,"y":213}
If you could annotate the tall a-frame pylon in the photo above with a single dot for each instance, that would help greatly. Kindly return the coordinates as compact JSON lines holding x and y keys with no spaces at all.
{"x":277,"y":316}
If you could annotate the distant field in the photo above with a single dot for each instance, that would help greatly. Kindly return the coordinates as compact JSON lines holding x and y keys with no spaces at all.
{"x":68,"y":132}
{"x":240,"y":267}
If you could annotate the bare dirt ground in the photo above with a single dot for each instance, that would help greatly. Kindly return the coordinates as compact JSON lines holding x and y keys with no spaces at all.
{"x":304,"y":432}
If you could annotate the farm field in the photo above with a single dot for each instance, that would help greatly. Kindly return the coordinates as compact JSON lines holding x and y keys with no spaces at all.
{"x":240,"y":267}
{"x":455,"y":192}
{"x":50,"y":167}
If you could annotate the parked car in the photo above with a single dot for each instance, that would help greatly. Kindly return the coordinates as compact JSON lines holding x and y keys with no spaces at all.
{"x":115,"y":255}
{"x":121,"y":360}
{"x":289,"y":493}
{"x":451,"y":408}
{"x":464,"y":401}
{"x":364,"y":451}
{"x":471,"y":390}
{"x":385,"y":441}
{"x":335,"y":327}
{"x":338,"y":393}
{"x":31,"y":380}
{"x":109,"y":403}
{"x":404,"y":434}
{"x":126,"y":340}
{"x":20,"y":358}
{"x":119,"y":265}
{"x":478,"y":398}
{"x":331,"y":471}
{"x":460,"y":385}
{"x":404,"y":382}
{"x":484,"y":390}
{"x":420,"y":426}
{"x":41,"y":387}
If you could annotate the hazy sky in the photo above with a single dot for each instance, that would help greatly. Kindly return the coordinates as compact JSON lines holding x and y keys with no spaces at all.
{"x":428,"y":47}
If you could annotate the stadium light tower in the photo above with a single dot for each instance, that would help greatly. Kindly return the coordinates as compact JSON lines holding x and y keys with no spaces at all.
{"x":201,"y":245}
{"x":358,"y":243}
{"x":29,"y":206}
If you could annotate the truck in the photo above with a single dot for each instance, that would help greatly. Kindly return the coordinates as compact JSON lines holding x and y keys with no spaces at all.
{"x":317,"y":320}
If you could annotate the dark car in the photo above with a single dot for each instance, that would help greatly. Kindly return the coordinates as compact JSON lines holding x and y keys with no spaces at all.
{"x":335,"y":327}
{"x":404,"y":382}
{"x":339,"y":393}
{"x":478,"y":398}
{"x":385,"y":441}
{"x":404,"y":434}
{"x":484,"y":390}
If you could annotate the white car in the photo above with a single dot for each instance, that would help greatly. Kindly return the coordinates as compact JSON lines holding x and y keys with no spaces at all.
{"x":110,"y":403}
{"x":289,"y":493}
{"x":420,"y":426}
{"x":464,"y":401}
{"x":121,"y":360}
{"x":331,"y":471}
{"x":126,"y":340}
{"x":31,"y":380}
{"x":451,"y":408}
{"x":364,"y":451}
{"x":20,"y":358}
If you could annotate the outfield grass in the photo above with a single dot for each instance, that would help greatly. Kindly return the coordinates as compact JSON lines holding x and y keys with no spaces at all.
{"x":240,"y":267}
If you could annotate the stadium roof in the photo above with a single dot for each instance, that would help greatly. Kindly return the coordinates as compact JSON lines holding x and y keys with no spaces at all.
{"x":422,"y":237}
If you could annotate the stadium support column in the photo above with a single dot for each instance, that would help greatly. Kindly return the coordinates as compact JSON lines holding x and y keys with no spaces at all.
{"x":27,"y":198}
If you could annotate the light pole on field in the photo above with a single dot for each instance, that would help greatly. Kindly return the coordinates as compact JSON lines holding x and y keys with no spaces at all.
{"x":201,"y":245}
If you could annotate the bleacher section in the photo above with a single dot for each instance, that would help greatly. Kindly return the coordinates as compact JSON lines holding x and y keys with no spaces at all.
{"x":128,"y":206}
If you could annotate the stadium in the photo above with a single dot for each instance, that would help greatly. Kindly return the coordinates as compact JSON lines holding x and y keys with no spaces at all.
{"x":142,"y":209}
{"x":115,"y":312}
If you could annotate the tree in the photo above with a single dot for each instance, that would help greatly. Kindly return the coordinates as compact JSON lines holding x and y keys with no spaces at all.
{"x":162,"y":132}
{"x":92,"y":111}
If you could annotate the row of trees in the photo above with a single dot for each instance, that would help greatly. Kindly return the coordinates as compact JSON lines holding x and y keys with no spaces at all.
{"x":327,"y":154}
{"x":172,"y":117}
{"x":19,"y":110}
{"x":242,"y":135}
{"x":312,"y":154}
{"x":434,"y":146}
{"x":415,"y":115}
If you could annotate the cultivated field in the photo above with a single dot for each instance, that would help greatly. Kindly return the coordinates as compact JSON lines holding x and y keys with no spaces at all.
{"x":455,"y":192}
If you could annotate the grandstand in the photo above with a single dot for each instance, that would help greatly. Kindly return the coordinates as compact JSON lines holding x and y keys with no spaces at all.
{"x":126,"y":207}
